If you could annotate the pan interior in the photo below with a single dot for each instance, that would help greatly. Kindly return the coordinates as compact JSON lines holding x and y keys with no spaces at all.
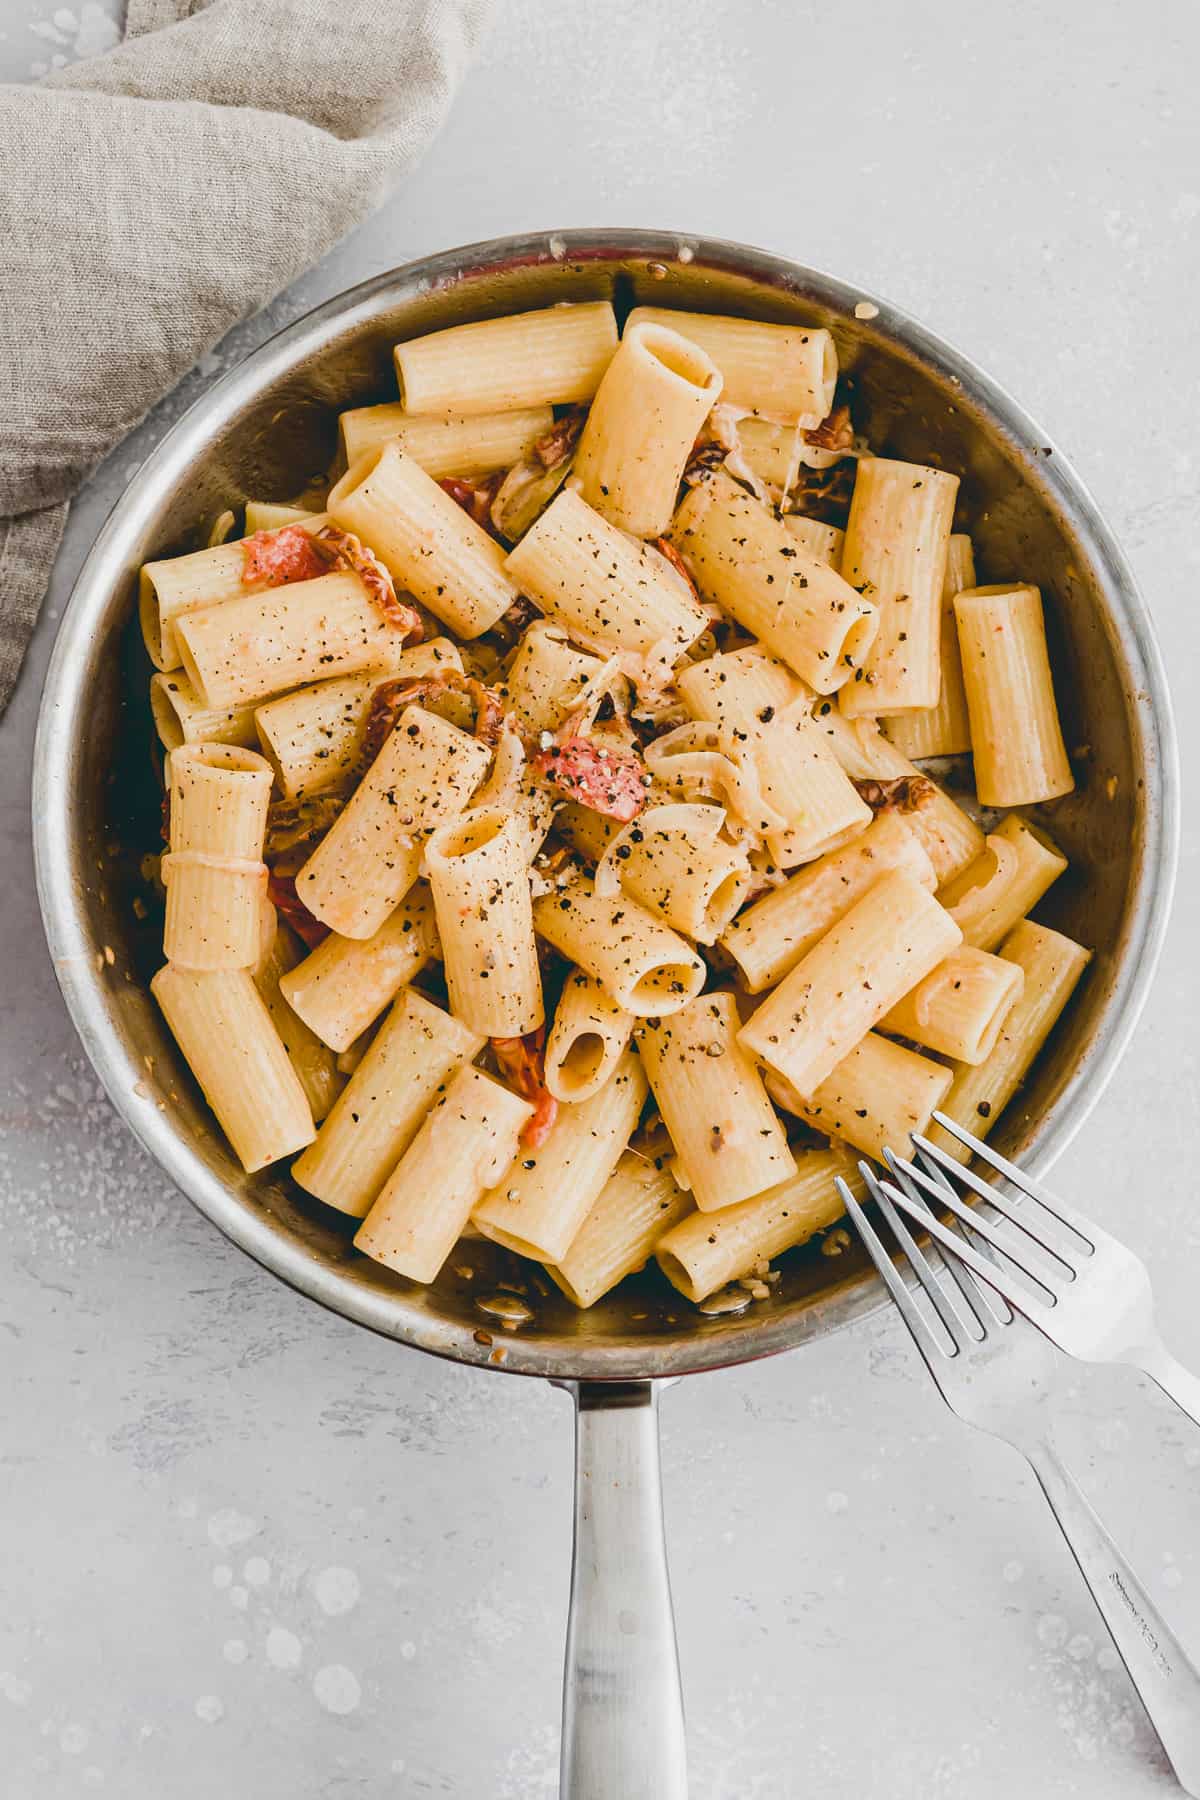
{"x":263,"y":433}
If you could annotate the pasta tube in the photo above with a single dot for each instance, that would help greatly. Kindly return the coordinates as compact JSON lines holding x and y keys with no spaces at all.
{"x":822,"y":542}
{"x":729,"y":1143}
{"x":214,"y":872}
{"x":267,"y":515}
{"x":546,"y":1195}
{"x":960,"y":1007}
{"x":747,"y":560}
{"x":874,"y":1099}
{"x":465,"y":1144}
{"x":1020,"y":757}
{"x":425,"y":540}
{"x":314,"y":738}
{"x":647,"y":968}
{"x":1007,"y":879}
{"x":468,"y":446}
{"x":639,"y":1202}
{"x":312,"y":1060}
{"x":180,"y":716}
{"x":548,"y":357}
{"x":591,"y":579}
{"x":244,"y":650}
{"x":771,"y":936}
{"x":887,"y":942}
{"x":362,"y":868}
{"x":546,"y":678}
{"x":944,"y":729}
{"x":173,"y":586}
{"x":343,"y":985}
{"x":652,"y":400}
{"x":951,"y":837}
{"x":708,"y":1249}
{"x":1052,"y":965}
{"x":589,"y":1036}
{"x":479,"y":878}
{"x":798,"y":775}
{"x":897,"y":539}
{"x":376,"y":1116}
{"x":674,"y":861}
{"x":221,"y":1023}
{"x":783,"y":372}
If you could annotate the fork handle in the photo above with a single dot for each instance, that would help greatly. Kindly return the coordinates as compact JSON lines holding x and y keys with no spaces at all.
{"x":1168,"y":1683}
{"x":1156,"y":1361}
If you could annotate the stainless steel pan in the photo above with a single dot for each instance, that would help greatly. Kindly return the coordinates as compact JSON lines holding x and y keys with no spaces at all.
{"x":261,"y":432}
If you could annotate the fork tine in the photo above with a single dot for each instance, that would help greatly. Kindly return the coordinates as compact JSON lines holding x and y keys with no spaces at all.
{"x":942,"y":1302}
{"x":1007,"y":1208}
{"x":973,"y":1295}
{"x":994,"y":1301}
{"x":1058,"y":1209}
{"x":979,"y":1265}
{"x":986,"y":1192}
{"x":918,"y":1330}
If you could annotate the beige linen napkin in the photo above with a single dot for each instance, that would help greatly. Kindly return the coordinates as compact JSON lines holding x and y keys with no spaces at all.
{"x":152,"y":197}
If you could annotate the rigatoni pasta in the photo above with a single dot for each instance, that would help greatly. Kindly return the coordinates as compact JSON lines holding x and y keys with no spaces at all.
{"x":551,"y":356}
{"x":247,"y":649}
{"x":342,"y":986}
{"x":313,"y":1061}
{"x":600,"y":586}
{"x":550,"y":1189}
{"x":782,"y":372}
{"x":897,"y":540}
{"x":214,"y":871}
{"x":659,"y":775}
{"x":1052,"y":965}
{"x":647,"y":968}
{"x":748,"y":562}
{"x":221,"y":1023}
{"x":1015,"y":867}
{"x":426,"y":541}
{"x":1020,"y":757}
{"x":379,"y":1112}
{"x":468,"y":1138}
{"x":960,"y":1008}
{"x":463,"y":445}
{"x":887,"y":942}
{"x":181,"y":717}
{"x":769,"y":937}
{"x":943,"y":729}
{"x":314,"y":737}
{"x":708,"y":1249}
{"x":362,"y":868}
{"x":874,"y":1099}
{"x":647,"y":412}
{"x":174,"y":586}
{"x":589,"y":1036}
{"x":479,"y":879}
{"x":637,"y":1206}
{"x":729,"y":1143}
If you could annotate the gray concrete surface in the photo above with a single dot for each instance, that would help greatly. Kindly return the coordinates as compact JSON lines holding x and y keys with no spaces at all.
{"x":249,"y":1551}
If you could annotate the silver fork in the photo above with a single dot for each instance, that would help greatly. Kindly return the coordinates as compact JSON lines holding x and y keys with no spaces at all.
{"x":996,"y":1372}
{"x":1088,"y":1292}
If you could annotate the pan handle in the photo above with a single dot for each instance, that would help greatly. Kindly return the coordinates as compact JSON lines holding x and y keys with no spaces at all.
{"x":622,"y":1703}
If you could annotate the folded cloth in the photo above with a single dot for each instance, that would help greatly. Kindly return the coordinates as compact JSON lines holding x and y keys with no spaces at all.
{"x":152,"y":197}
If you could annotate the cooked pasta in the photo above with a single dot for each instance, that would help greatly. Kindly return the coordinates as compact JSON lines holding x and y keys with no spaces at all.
{"x":897,"y":541}
{"x":1020,"y":757}
{"x":729,"y":1143}
{"x":647,"y":412}
{"x":549,"y":857}
{"x":747,"y":561}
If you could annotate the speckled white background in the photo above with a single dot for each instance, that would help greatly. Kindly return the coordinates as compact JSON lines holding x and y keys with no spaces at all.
{"x":251,"y":1551}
